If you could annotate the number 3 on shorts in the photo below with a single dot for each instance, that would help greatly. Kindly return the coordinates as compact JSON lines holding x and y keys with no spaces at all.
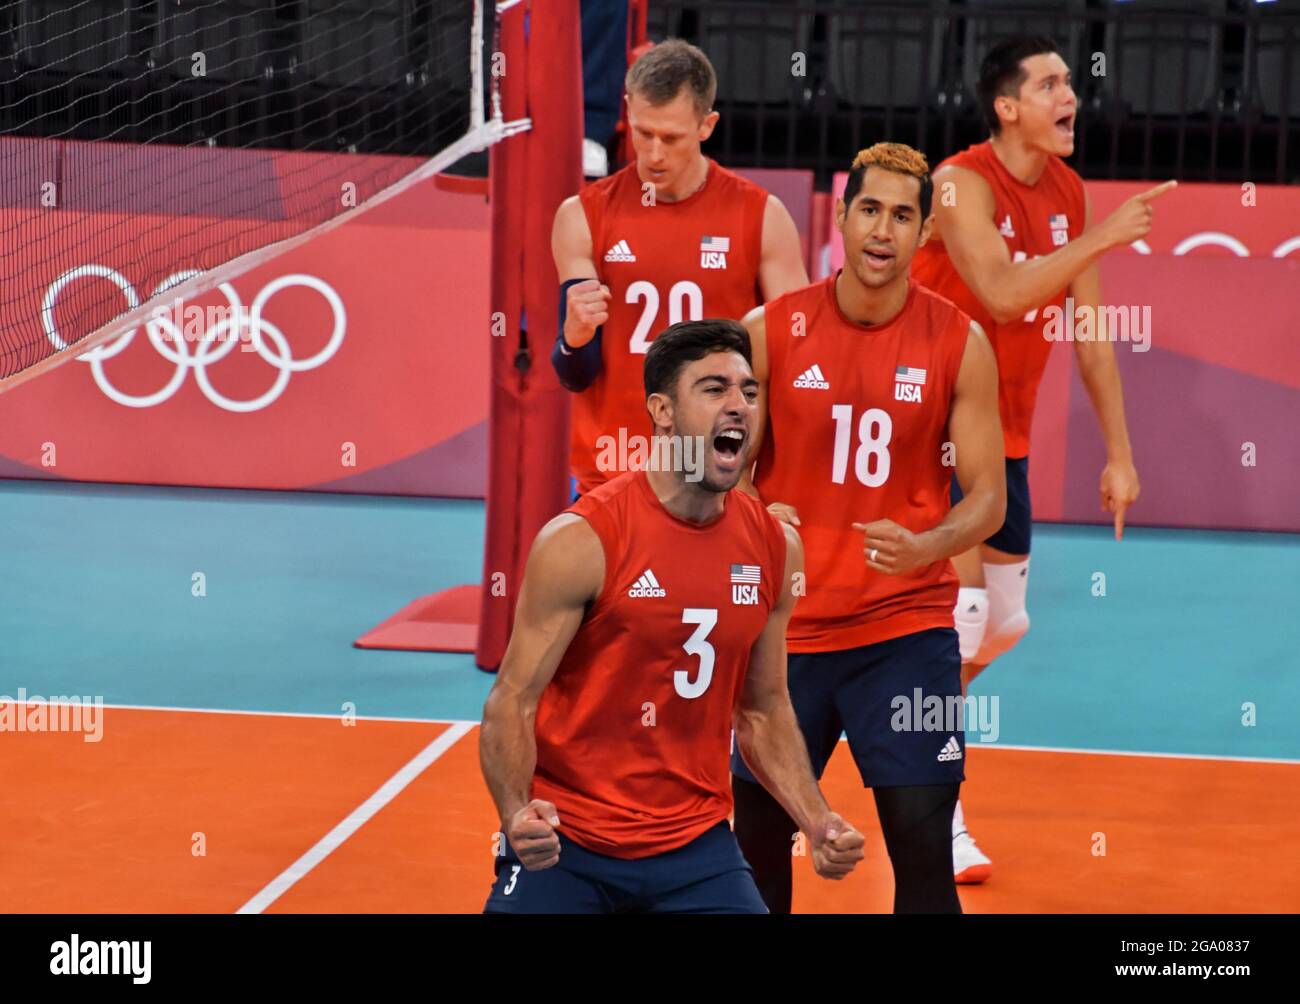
{"x":514,"y":877}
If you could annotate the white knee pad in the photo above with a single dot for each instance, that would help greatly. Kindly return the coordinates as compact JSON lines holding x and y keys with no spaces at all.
{"x":1008,"y":619}
{"x":970,"y":617}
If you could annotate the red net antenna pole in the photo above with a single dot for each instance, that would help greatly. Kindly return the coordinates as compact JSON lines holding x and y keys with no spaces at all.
{"x":539,"y":68}
{"x":532,"y":173}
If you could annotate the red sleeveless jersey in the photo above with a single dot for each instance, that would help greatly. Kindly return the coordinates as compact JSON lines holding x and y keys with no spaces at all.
{"x":857,"y":422}
{"x":634,"y":730}
{"x":1034,"y":220}
{"x":669,"y":262}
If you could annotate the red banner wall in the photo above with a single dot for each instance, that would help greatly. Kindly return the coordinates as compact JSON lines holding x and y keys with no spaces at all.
{"x":1218,"y":382}
{"x":357,"y":362}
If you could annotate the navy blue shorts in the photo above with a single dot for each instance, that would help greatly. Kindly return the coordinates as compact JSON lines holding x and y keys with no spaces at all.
{"x":707,"y":875}
{"x":1013,"y":537}
{"x":884,"y":696}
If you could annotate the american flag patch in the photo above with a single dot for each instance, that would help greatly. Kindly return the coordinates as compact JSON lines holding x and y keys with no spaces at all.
{"x":722,"y":244}
{"x":1058,"y":221}
{"x":745,"y":573}
{"x":909,"y":374}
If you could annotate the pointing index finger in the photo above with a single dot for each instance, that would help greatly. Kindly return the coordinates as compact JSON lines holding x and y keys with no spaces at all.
{"x":1159,"y":190}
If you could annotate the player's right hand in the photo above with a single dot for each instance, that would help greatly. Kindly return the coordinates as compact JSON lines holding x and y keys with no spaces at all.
{"x":1132,"y":220}
{"x":587,"y":308}
{"x":531,"y":832}
{"x":837,"y":847}
{"x":785,"y":513}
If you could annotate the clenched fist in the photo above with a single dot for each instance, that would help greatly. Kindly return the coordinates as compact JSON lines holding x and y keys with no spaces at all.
{"x":837,"y":846}
{"x":586,"y":309}
{"x":531,"y":832}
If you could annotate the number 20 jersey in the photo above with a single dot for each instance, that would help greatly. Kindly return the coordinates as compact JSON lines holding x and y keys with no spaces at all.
{"x":633,"y":731}
{"x":663,"y":263}
{"x":857,"y":427}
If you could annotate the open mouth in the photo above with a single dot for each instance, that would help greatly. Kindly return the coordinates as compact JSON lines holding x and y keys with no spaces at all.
{"x":1065,"y":125}
{"x":728,"y":443}
{"x":878,"y":257}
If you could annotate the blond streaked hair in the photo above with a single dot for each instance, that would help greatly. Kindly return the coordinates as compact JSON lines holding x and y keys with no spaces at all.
{"x":896,"y":157}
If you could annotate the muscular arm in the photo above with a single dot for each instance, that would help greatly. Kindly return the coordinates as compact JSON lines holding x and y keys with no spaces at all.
{"x":1007,"y":289}
{"x":565,"y":570}
{"x":1099,"y":371}
{"x":571,"y":242}
{"x":767,"y":732}
{"x":975,"y":430}
{"x":780,"y":267}
{"x":576,"y":352}
{"x":976,"y":434}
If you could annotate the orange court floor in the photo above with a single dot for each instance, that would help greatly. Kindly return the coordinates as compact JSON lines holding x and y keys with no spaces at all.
{"x":193,"y":811}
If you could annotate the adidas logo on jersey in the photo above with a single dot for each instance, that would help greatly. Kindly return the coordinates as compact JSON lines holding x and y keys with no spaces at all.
{"x":812,"y":379}
{"x":950,"y":751}
{"x":647,"y":585}
{"x":1005,"y":227}
{"x":620,"y":252}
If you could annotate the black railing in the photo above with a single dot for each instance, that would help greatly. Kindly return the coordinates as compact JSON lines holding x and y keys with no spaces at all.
{"x":364,"y":75}
{"x":1201,"y":91}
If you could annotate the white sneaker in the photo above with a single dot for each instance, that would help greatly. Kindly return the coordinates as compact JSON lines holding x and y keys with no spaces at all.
{"x":595,"y":161}
{"x":970,"y":866}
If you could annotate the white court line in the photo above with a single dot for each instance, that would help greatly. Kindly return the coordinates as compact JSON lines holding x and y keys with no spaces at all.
{"x":355,"y":820}
{"x":474,"y":721}
{"x":284,"y":714}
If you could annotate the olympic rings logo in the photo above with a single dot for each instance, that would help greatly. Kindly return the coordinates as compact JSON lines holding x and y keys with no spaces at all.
{"x":218,"y":340}
{"x":1214,"y":238}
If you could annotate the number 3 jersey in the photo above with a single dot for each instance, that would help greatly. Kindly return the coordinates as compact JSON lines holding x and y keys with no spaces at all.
{"x":857,"y":431}
{"x":663,"y":263}
{"x":633,"y":732}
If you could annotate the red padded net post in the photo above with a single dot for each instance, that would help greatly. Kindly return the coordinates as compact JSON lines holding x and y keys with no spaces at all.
{"x":531,"y":174}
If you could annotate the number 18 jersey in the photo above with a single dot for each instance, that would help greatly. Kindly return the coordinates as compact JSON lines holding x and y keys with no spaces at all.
{"x":858,"y":431}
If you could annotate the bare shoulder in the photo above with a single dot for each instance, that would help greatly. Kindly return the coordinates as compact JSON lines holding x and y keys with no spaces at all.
{"x":775,"y":209}
{"x":571,"y":214}
{"x":568,"y":559}
{"x":968,"y":186}
{"x":793,"y":542}
{"x":567,"y":530}
{"x":571,"y":240}
{"x":976,"y":360}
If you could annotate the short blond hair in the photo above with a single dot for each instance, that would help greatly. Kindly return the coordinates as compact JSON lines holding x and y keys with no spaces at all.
{"x":897,"y":157}
{"x":660,"y":74}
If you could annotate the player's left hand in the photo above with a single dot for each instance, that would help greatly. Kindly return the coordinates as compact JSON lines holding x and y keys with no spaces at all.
{"x":837,"y":846}
{"x":1119,"y":490}
{"x":891,"y":548}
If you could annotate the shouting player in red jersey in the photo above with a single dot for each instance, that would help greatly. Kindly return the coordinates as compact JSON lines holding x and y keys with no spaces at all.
{"x":1012,"y":237}
{"x":671,"y":237}
{"x":875,"y":388}
{"x":651,"y":622}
